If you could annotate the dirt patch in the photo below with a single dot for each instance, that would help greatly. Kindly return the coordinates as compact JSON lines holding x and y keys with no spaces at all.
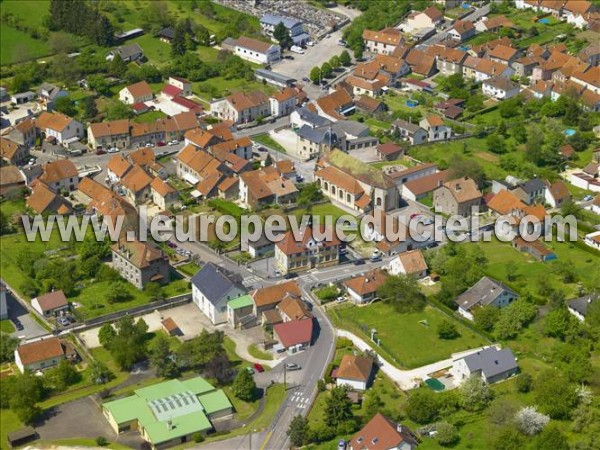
{"x":487,"y":157}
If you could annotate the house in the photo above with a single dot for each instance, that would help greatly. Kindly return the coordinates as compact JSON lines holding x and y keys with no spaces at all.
{"x":140,"y":263}
{"x":371,"y":86}
{"x":499,"y":88}
{"x":293,"y":308}
{"x":11,"y":179}
{"x":51,"y":304}
{"x":531,"y":191}
{"x":43,"y":354}
{"x":169,"y":413}
{"x":335,"y":106}
{"x":266,"y":186}
{"x":211,"y":290}
{"x":241,"y":147}
{"x":60,"y":175}
{"x":310,"y":250}
{"x":195,"y":165}
{"x":128,"y":53}
{"x":22,"y":97}
{"x":590,"y":54}
{"x":355,"y":372}
{"x":295,"y":28}
{"x":535,"y":248}
{"x":480,"y":69}
{"x":436,"y":128}
{"x":24,"y":133}
{"x":589,"y":78}
{"x":490,"y":364}
{"x":58,"y":126}
{"x":117,"y":167}
{"x":255,"y":51}
{"x":506,"y":203}
{"x":593,"y":240}
{"x":283,"y":103}
{"x":428,"y":18}
{"x":494,"y":24}
{"x":312,"y":142}
{"x":369,"y":105}
{"x":503,"y":54}
{"x":146,"y":159}
{"x":421,"y":187}
{"x":48,"y":93}
{"x":170,"y":327}
{"x":44,"y":200}
{"x":412,"y":132}
{"x":166,"y":35}
{"x":269,"y":297}
{"x":421,"y":63}
{"x":461,"y":31}
{"x":384,"y":41}
{"x":295,"y":335}
{"x":556,"y":194}
{"x":136,"y":184}
{"x":242,"y":107}
{"x":449,"y":61}
{"x":579,"y":306}
{"x":595,"y":207}
{"x":579,"y":12}
{"x":363,"y":288}
{"x":457,"y":197}
{"x":139,"y":92}
{"x":176,"y":86}
{"x":109,"y":134}
{"x":524,"y":66}
{"x":381,"y":433}
{"x":409,"y":263}
{"x":163,"y":194}
{"x":304,"y":116}
{"x":486,"y":292}
{"x":389,"y":151}
{"x":274,"y":78}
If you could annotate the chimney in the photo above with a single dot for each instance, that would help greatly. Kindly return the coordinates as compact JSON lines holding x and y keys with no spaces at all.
{"x":399,"y":428}
{"x":169,"y":425}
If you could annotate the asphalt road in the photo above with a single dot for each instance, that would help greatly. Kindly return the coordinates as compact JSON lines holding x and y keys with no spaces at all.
{"x":441,"y":35}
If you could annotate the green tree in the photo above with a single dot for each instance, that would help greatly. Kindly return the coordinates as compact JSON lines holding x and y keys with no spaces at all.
{"x":26,"y":390}
{"x":446,"y":434}
{"x":65,"y":105}
{"x":117,"y":66}
{"x":115,"y":110}
{"x":403,"y":293}
{"x":309,"y":194}
{"x":555,"y":395}
{"x":160,"y":356}
{"x":423,"y":407}
{"x":88,"y":107}
{"x":244,"y":386}
{"x":8,"y":344}
{"x":315,"y":75}
{"x":559,"y":322}
{"x":447,"y":330}
{"x":283,"y":36}
{"x":326,"y":70}
{"x":99,"y":373}
{"x":524,"y":383}
{"x":486,"y":317}
{"x":519,"y":132}
{"x":462,"y":167}
{"x":129,"y":344}
{"x":551,"y":438}
{"x":496,"y":144}
{"x":99,"y":84}
{"x":475,"y":394}
{"x":508,"y":438}
{"x":373,"y":403}
{"x":63,"y":375}
{"x":335,"y":62}
{"x":338,"y":408}
{"x":106,"y":335}
{"x":178,"y":44}
{"x":5,"y":225}
{"x":345,"y":58}
{"x":154,"y":291}
{"x":298,"y":431}
{"x":117,"y":292}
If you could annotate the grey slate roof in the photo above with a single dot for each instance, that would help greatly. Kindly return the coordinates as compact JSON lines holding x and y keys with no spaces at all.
{"x":581,"y":304}
{"x":269,"y":73}
{"x":272,"y":19}
{"x":491,"y":361}
{"x":128,"y":51}
{"x":313,"y":118}
{"x":168,"y":33}
{"x":405,"y":125}
{"x":482,"y":293}
{"x":212,"y":282}
{"x":317,"y":135}
{"x":350,"y":127}
{"x":533,"y":185}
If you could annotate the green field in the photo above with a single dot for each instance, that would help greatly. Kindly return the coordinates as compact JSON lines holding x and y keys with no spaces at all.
{"x":18,"y":46}
{"x":150,"y":116}
{"x":404,"y":336}
{"x":267,"y":140}
{"x":6,"y":326}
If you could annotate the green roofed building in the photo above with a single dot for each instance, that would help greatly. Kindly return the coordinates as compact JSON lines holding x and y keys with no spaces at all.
{"x":169,"y":413}
{"x":240,"y":311}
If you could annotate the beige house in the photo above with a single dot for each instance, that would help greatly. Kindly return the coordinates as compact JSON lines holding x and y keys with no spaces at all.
{"x":109,"y":134}
{"x":457,"y":197}
{"x":136,"y":93}
{"x":41,"y":355}
{"x":242,"y":107}
{"x":307,"y":252}
{"x":136,"y":185}
{"x":140,"y":263}
{"x":60,"y":175}
{"x":13,"y":153}
{"x":384,"y":41}
{"x":429,"y":18}
{"x":59,"y":126}
{"x":163,"y":194}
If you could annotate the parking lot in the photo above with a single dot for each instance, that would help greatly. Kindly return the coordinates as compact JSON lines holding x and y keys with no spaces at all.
{"x":31,"y":328}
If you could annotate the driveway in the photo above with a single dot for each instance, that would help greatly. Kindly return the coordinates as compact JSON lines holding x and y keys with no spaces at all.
{"x":16,"y":310}
{"x":61,"y":422}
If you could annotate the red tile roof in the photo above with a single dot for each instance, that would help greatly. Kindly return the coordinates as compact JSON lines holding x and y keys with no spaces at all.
{"x":294,"y":332}
{"x":40,"y":351}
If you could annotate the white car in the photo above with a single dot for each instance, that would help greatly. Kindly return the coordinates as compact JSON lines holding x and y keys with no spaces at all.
{"x":173,"y":142}
{"x":149,"y":145}
{"x":113,"y":150}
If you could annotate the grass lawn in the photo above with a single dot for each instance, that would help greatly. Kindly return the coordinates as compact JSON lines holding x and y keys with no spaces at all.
{"x":267,"y":140}
{"x":31,"y":12}
{"x":411,"y":343}
{"x":242,"y":408}
{"x":78,"y":443}
{"x":6,"y":326}
{"x":13,"y":207}
{"x":322,"y":210}
{"x":176,"y":287}
{"x":189,"y":269}
{"x":18,"y":46}
{"x":150,"y":116}
{"x":258,"y":353}
{"x":8,"y":422}
{"x":93,"y":299}
{"x":221,"y":87}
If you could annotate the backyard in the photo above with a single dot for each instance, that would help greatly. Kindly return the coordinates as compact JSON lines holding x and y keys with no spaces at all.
{"x":411,"y":339}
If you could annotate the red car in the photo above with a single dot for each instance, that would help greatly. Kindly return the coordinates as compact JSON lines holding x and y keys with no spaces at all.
{"x":412,"y":216}
{"x":160,"y":144}
{"x":100,"y":152}
{"x":259,"y":368}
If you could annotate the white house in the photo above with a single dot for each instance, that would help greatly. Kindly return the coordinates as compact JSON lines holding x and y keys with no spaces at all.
{"x":283,"y":102}
{"x":436,"y":129}
{"x":211,"y":290}
{"x":579,"y":306}
{"x":486,"y":292}
{"x":52,"y":303}
{"x":59,"y":126}
{"x":593,"y":240}
{"x":355,"y":372}
{"x":136,"y":93}
{"x":257,"y":51}
{"x":409,"y":263}
{"x":39,"y":355}
{"x":491,"y":364}
{"x":499,"y":88}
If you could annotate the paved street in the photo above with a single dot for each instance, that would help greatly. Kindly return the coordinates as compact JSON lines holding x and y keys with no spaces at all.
{"x":441,"y":35}
{"x":31,"y":328}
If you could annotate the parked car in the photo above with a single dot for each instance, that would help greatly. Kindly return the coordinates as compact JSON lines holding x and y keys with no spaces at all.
{"x":587,"y":198}
{"x":299,"y":178}
{"x":18,"y":325}
{"x":376,"y":257}
{"x":359,"y":262}
{"x":172,"y":244}
{"x":288,"y":57}
{"x":113,"y":150}
{"x":149,"y":145}
{"x":306,"y":79}
{"x":259,"y":368}
{"x":174,"y":142}
{"x":340,"y":299}
{"x":290,"y":275}
{"x":63,"y":321}
{"x":292,"y":366}
{"x":100,"y":152}
{"x":160,"y":144}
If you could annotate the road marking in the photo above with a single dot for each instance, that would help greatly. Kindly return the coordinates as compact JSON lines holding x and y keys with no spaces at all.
{"x":266,"y":440}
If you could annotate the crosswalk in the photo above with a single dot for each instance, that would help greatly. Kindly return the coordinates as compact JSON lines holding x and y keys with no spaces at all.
{"x":300,"y":401}
{"x":251,"y":280}
{"x":308,"y":277}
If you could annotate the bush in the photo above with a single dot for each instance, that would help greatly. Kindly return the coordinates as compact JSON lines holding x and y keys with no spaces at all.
{"x":446,"y":434}
{"x":447,"y":330}
{"x":101,"y":441}
{"x":198,"y":437}
{"x":524,"y":382}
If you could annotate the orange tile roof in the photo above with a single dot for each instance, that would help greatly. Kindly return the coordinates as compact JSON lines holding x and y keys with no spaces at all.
{"x":59,"y":170}
{"x":503,"y":52}
{"x":112,"y":128}
{"x":169,"y":325}
{"x":161,"y":187}
{"x":289,"y":246}
{"x":274,"y":294}
{"x":284,"y":94}
{"x":136,"y":179}
{"x":590,"y":76}
{"x":142,"y":157}
{"x":242,"y":101}
{"x":53,"y":121}
{"x":140,"y":254}
{"x":41,"y":350}
{"x":228,"y":183}
{"x":52,"y":300}
{"x":332,"y":102}
{"x":8,"y":149}
{"x":434,"y":121}
{"x":253,"y":44}
{"x":353,"y":367}
{"x":294,"y":308}
{"x":338,"y":178}
{"x":201,"y":138}
{"x":43,"y":199}
{"x":231,"y":146}
{"x":484,"y":66}
{"x":118,"y":165}
{"x":462,"y":26}
{"x":10,"y":175}
{"x":381,"y":433}
{"x":505,"y":202}
{"x":368,"y":283}
{"x":463,"y":189}
{"x":413,"y":261}
{"x":420,"y":62}
{"x":140,"y":89}
{"x":93,"y":189}
{"x":208,"y":184}
{"x":390,"y":36}
{"x":284,"y":166}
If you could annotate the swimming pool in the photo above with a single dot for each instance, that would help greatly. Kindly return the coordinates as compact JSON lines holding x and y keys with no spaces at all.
{"x":544,"y":21}
{"x":569,"y":132}
{"x":412,"y":103}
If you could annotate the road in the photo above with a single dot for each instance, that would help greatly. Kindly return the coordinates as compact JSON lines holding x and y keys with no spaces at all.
{"x":441,"y":35}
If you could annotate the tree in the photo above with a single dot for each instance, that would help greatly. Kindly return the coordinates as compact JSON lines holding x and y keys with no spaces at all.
{"x":200,"y":350}
{"x":298,"y":431}
{"x":115,"y":110}
{"x":154,"y":291}
{"x":524,"y":382}
{"x":559,"y":322}
{"x":159,"y":353}
{"x":8,"y":344}
{"x":309,"y":194}
{"x":338,"y":408}
{"x":326,"y":70}
{"x":486,"y":316}
{"x":530,"y":421}
{"x":502,"y":412}
{"x":335,"y":62}
{"x":128,"y":346}
{"x":475,"y":394}
{"x":99,"y":373}
{"x":508,"y":438}
{"x":65,"y":105}
{"x":519,"y":132}
{"x":551,"y":438}
{"x":63,"y":375}
{"x":447,"y":330}
{"x":496,"y":144}
{"x":345,"y":58}
{"x":26,"y":390}
{"x":358,"y":51}
{"x":88,"y":107}
{"x":403,"y":293}
{"x":178,"y":44}
{"x":117,"y":292}
{"x":106,"y":335}
{"x":461,"y":167}
{"x":243,"y":386}
{"x":446,"y":434}
{"x":555,"y":395}
{"x":315,"y":75}
{"x":117,"y":66}
{"x":423,"y":407}
{"x":373,"y":403}
{"x":282,"y":35}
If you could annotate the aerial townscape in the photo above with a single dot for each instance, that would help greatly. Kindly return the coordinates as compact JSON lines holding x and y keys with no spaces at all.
{"x":380,"y":224}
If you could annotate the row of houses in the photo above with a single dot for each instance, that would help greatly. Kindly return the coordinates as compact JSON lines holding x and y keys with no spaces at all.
{"x":580,"y":13}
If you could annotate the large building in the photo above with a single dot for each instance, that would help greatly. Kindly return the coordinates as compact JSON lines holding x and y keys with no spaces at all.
{"x":491,"y":364}
{"x":169,"y":413}
{"x":307,"y":252}
{"x":457,"y":197}
{"x":486,"y":292}
{"x":140,"y":263}
{"x":255,"y":51}
{"x":242,"y":107}
{"x":269,"y":22}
